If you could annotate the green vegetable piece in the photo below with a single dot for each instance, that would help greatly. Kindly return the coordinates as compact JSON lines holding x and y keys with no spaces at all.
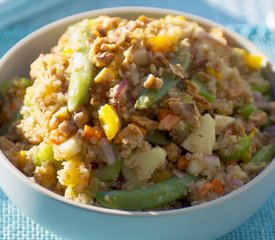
{"x":80,"y":81}
{"x":43,"y":155}
{"x":247,"y":110}
{"x":150,"y":96}
{"x":185,"y":59}
{"x":263,"y":88}
{"x":203,"y":90}
{"x":110,"y":172}
{"x":22,"y":82}
{"x":146,"y":198}
{"x":18,"y":82}
{"x":5,"y":128}
{"x":157,"y":138}
{"x":266,"y":154}
{"x":4,"y":87}
{"x":94,"y":186}
{"x":238,"y":150}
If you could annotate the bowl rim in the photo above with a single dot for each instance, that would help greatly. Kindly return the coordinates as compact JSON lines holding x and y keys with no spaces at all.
{"x":144,"y":10}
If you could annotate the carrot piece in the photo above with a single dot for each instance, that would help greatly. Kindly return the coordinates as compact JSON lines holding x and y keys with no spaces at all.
{"x":143,"y":130}
{"x":217,"y":186}
{"x":90,"y":132}
{"x":168,"y":122}
{"x":182,"y":163}
{"x":163,"y":112}
{"x":205,"y":189}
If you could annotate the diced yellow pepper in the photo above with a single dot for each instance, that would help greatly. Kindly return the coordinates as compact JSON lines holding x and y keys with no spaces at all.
{"x":212,"y":72}
{"x":67,"y":51}
{"x":254,"y":62}
{"x":105,"y":75}
{"x":109,"y":120}
{"x":162,"y":43}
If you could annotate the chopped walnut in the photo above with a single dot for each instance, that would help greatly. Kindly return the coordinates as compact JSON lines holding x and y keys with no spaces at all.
{"x":191,"y":88}
{"x":153,"y":82}
{"x":202,"y":103}
{"x":103,"y":59}
{"x":145,"y":122}
{"x":173,"y":152}
{"x":67,"y":128}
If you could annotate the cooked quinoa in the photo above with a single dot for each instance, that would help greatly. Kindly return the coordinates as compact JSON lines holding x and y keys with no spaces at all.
{"x":145,"y":114}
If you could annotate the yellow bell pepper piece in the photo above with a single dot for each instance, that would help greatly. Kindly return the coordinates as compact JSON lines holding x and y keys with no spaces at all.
{"x":254,"y":62}
{"x":109,"y":120}
{"x":162,"y":43}
{"x":67,"y":51}
{"x":105,"y":75}
{"x":212,"y":72}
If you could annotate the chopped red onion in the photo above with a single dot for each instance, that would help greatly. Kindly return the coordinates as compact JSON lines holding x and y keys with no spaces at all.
{"x":211,"y":160}
{"x":108,"y":151}
{"x":236,"y":182}
{"x":271,"y":131}
{"x":260,"y":102}
{"x":120,"y":92}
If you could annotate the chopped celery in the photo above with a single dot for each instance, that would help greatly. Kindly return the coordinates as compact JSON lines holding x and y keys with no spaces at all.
{"x":266,"y":154}
{"x":203,"y":90}
{"x":150,"y":96}
{"x":110,"y":172}
{"x":238,"y":150}
{"x":247,"y":110}
{"x":157,"y":138}
{"x":94,"y":186}
{"x":22,"y":82}
{"x":44,"y":154}
{"x":263,"y":88}
{"x":4,"y":86}
{"x":80,"y":81}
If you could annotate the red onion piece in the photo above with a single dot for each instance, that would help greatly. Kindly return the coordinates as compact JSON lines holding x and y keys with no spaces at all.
{"x":260,"y":101}
{"x":271,"y":131}
{"x":108,"y":151}
{"x":211,"y":160}
{"x":236,"y":182}
{"x":120,"y":92}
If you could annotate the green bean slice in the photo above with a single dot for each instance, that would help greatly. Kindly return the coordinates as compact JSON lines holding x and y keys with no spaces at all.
{"x":265,"y":154}
{"x":146,"y":198}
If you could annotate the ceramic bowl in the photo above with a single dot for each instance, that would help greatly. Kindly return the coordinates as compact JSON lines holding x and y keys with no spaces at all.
{"x":77,"y":221}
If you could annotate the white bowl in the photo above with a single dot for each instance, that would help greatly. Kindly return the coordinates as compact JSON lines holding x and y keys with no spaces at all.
{"x":78,"y":221}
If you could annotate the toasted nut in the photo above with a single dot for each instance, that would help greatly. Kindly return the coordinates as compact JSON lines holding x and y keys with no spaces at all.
{"x":103,"y":59}
{"x":201,"y":102}
{"x":67,"y":128}
{"x":173,"y":152}
{"x":81,"y":118}
{"x":153,"y":82}
{"x":191,"y":88}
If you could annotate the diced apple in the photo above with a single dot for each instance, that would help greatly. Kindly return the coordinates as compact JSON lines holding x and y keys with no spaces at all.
{"x":144,"y":164}
{"x":70,"y":148}
{"x":223,"y":121}
{"x":195,"y":167}
{"x":202,"y":140}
